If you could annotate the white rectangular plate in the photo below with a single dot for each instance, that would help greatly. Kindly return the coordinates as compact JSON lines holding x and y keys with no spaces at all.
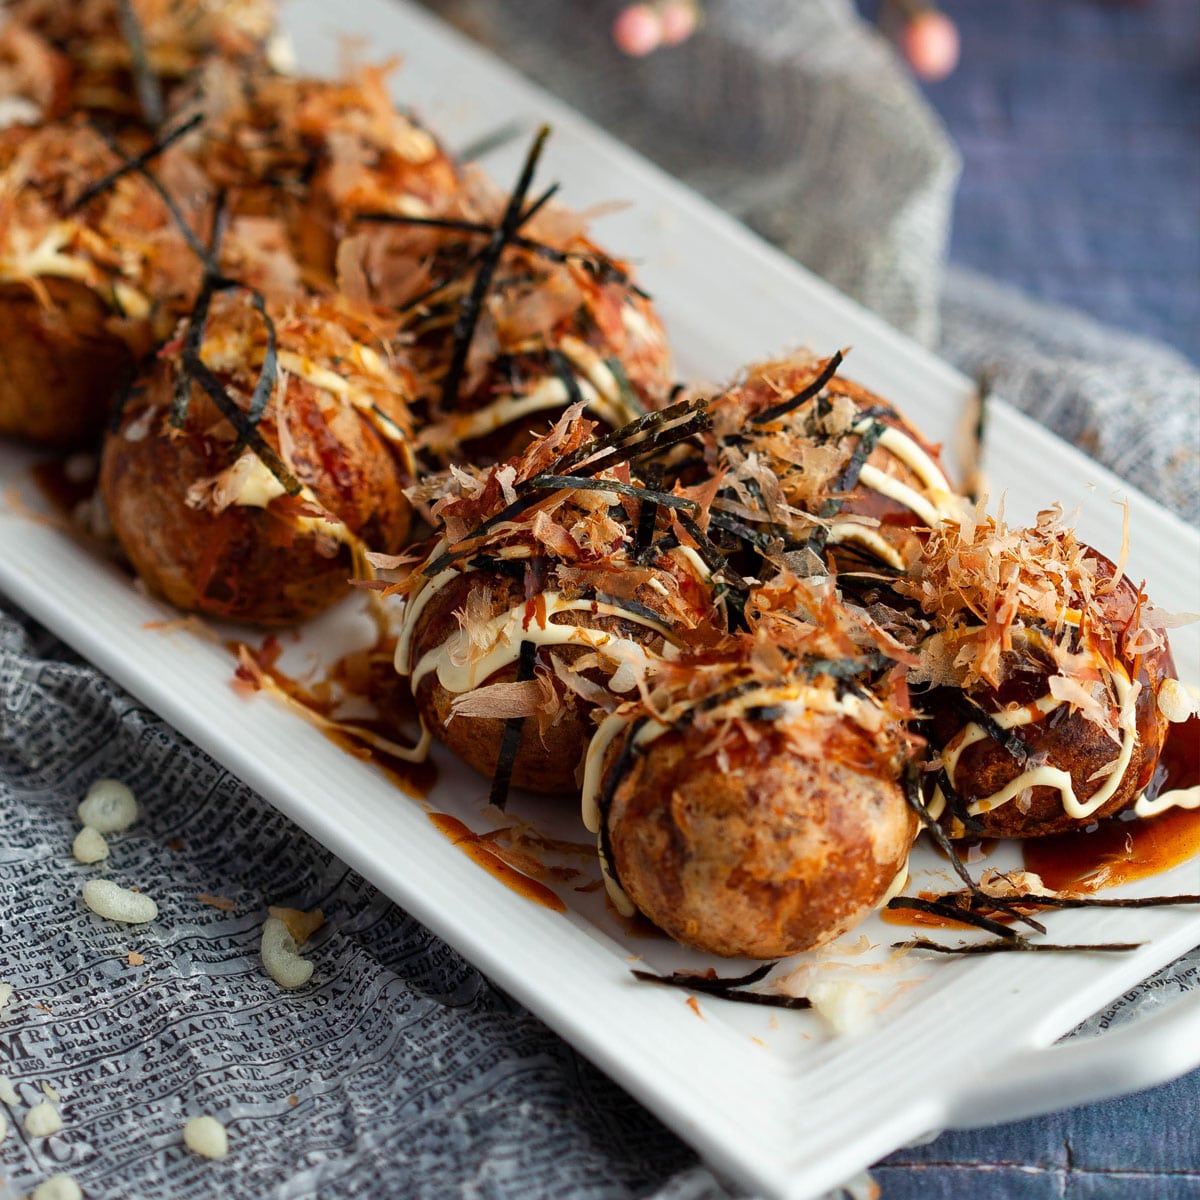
{"x":775,"y":1101}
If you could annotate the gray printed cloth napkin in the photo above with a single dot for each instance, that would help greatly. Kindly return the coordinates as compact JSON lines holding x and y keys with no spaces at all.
{"x":402,"y":1072}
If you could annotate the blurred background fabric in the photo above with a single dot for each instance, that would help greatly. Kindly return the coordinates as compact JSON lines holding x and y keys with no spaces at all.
{"x":1062,"y":157}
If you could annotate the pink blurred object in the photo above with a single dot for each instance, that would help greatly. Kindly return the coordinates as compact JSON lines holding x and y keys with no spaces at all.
{"x":638,"y":30}
{"x":930,"y":43}
{"x":678,"y":19}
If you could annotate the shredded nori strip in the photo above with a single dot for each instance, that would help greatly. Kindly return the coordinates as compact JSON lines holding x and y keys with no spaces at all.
{"x":912,"y":793}
{"x":583,"y":483}
{"x":711,"y":554}
{"x":136,"y":163}
{"x":510,"y":739}
{"x":867,"y":441}
{"x":813,"y":389}
{"x":631,"y":606}
{"x":612,"y":781}
{"x":1006,"y":739}
{"x":945,"y":907}
{"x":565,"y":373}
{"x":727,"y":989}
{"x":468,"y":317}
{"x":146,"y":83}
{"x":1019,"y":945}
{"x":628,"y":395}
{"x":247,"y":432}
{"x":1092,"y":901}
{"x":957,"y":804}
{"x":627,"y":434}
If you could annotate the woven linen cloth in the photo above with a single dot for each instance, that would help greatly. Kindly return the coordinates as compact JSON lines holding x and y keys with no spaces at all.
{"x":401,"y":1071}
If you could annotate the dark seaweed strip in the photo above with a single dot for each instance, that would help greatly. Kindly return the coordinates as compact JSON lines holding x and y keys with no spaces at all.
{"x":627,"y":433}
{"x":269,"y":373}
{"x":643,"y":447}
{"x":630,"y":397}
{"x":1019,"y":945}
{"x":192,"y":342}
{"x":1093,"y":901}
{"x":947,"y":908}
{"x":712,"y":556}
{"x":468,"y":317}
{"x":565,"y":372}
{"x":643,"y":538}
{"x":785,"y":406}
{"x":510,"y":739}
{"x":611,"y":782}
{"x":912,"y":793}
{"x":631,"y":606}
{"x":581,"y":483}
{"x":688,"y":716}
{"x":601,"y":266}
{"x":754,"y":537}
{"x":507,"y":513}
{"x":387,"y":218}
{"x":428,"y":294}
{"x":145,"y":81}
{"x":247,"y":432}
{"x":867,"y":441}
{"x":188,"y":233}
{"x":721,"y":990}
{"x":1004,"y":738}
{"x":134,"y":164}
{"x":537,"y":205}
{"x":957,"y":804}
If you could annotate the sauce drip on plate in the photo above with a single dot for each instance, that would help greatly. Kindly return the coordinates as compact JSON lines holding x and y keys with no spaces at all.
{"x":1120,"y":851}
{"x":480,"y":851}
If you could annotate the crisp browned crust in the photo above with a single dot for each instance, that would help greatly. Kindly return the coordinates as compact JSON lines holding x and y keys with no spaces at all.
{"x":60,"y":366}
{"x":764,"y":854}
{"x":254,"y":564}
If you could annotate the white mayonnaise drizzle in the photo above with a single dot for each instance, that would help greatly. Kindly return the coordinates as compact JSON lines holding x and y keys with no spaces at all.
{"x":461,"y":668}
{"x":1047,"y":776}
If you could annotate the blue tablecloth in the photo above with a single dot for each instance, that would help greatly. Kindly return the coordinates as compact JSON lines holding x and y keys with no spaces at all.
{"x":1078,"y":122}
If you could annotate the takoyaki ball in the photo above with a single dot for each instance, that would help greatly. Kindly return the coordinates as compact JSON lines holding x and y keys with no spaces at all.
{"x":749,"y":813}
{"x":100,"y":45}
{"x":35,"y":79}
{"x":828,"y":463}
{"x":315,"y":153}
{"x":85,"y":289}
{"x":560,"y":322}
{"x":203,"y":510}
{"x":564,"y":577}
{"x":467,"y":709}
{"x":1045,"y":671}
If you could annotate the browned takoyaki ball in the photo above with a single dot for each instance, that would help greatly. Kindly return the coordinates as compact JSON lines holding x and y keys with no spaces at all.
{"x":558,"y":720}
{"x":750,"y":802}
{"x":753,"y":847}
{"x":207,"y":523}
{"x":545,"y":605}
{"x":59,"y":363}
{"x":100,"y":41}
{"x":87,"y":286}
{"x":828,"y":463}
{"x":314,"y":153}
{"x":1051,"y":720}
{"x":558,"y":322}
